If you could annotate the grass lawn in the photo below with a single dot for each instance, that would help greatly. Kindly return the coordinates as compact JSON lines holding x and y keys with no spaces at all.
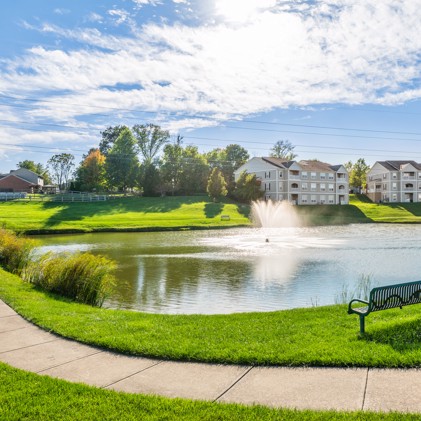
{"x":131,"y":213}
{"x":157,"y":213}
{"x":319,"y":336}
{"x":27,"y":397}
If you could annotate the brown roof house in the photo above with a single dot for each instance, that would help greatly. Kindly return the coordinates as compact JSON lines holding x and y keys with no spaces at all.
{"x":21,"y":180}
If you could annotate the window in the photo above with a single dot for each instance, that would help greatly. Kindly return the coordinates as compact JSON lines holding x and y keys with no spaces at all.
{"x":331,"y":199}
{"x":331,"y":187}
{"x":281,"y":197}
{"x":304,"y":174}
{"x":267,"y":186}
{"x":281,"y":186}
{"x":294,"y":186}
{"x":281,"y":174}
{"x":322,"y":187}
{"x":330,"y":176}
{"x":267,"y":174}
{"x":304,"y":198}
{"x":384,"y":175}
{"x":394,"y":197}
{"x":322,"y":200}
{"x":322,"y":176}
{"x":313,"y":186}
{"x":384,"y":186}
{"x":394,"y":186}
{"x":313,"y":199}
{"x":419,"y":175}
{"x":304,"y":186}
{"x":394,"y":175}
{"x":313,"y":175}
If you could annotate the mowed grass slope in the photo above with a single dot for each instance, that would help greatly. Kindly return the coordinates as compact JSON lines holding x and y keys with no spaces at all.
{"x":161,"y":213}
{"x":319,"y":336}
{"x":121,"y":214}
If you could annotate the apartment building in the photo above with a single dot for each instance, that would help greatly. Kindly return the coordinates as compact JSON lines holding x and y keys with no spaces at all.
{"x":303,"y":183}
{"x":394,"y":181}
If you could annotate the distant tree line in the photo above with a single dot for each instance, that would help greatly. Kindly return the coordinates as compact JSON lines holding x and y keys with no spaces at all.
{"x":147,"y":160}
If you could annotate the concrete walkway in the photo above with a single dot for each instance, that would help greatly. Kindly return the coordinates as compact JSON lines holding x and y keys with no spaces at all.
{"x":25,"y":346}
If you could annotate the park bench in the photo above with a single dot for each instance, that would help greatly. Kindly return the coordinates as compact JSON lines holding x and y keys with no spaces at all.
{"x":383,"y":298}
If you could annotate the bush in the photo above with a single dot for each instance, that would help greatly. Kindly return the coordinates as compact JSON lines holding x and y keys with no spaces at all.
{"x":82,"y":277}
{"x":15,"y":251}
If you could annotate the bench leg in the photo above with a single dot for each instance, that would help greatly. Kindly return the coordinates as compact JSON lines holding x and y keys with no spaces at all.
{"x":362,"y":323}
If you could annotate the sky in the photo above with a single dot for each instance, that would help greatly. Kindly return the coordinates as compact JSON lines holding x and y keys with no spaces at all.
{"x":338,"y":79}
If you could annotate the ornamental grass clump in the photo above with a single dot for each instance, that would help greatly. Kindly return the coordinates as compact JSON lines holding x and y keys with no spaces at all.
{"x":83,"y":277}
{"x":15,"y":251}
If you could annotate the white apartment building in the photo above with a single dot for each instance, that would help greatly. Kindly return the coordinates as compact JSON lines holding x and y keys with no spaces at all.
{"x":394,"y":181}
{"x":303,"y":183}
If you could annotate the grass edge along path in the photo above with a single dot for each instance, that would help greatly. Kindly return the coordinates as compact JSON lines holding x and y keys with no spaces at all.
{"x":28,"y":396}
{"x":320,"y":336}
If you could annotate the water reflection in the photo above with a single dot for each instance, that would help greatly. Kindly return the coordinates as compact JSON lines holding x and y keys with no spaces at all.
{"x":237,"y":270}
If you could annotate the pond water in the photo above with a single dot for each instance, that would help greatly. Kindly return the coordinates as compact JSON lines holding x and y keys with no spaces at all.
{"x":238,"y":270}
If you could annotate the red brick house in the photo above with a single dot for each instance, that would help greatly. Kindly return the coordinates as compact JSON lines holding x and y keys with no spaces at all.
{"x":21,"y":180}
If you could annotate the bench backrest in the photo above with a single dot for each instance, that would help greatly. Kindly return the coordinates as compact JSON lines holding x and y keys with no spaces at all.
{"x":392,"y":296}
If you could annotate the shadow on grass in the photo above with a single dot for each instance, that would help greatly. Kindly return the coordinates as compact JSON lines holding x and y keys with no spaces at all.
{"x":244,"y":210}
{"x":413,"y":208}
{"x":402,"y":336}
{"x":331,"y":215}
{"x":213,"y":209}
{"x":78,"y":211}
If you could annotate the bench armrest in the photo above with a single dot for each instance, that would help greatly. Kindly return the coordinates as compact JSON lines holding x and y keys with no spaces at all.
{"x":350,"y":311}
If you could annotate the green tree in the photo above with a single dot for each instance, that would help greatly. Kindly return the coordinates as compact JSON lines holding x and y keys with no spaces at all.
{"x":228,"y":160}
{"x":108,"y":138}
{"x":217,"y":187}
{"x":358,"y":173}
{"x":150,"y":139}
{"x":247,"y":188}
{"x":172,"y":164}
{"x":122,"y":164}
{"x":61,"y":166}
{"x":283,"y":149}
{"x":194,"y":175}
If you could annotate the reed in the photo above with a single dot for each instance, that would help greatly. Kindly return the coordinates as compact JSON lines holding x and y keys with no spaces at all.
{"x":15,"y":251}
{"x":82,"y":277}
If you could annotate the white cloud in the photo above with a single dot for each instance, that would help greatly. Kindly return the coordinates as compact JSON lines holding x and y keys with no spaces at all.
{"x":289,"y":54}
{"x":61,"y":11}
{"x":141,"y":3}
{"x":120,"y":16}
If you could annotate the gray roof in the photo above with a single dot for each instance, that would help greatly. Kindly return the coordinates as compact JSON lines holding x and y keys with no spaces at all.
{"x":396,"y":165}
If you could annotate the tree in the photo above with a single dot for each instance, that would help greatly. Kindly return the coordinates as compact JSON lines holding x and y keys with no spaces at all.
{"x":91,"y":173}
{"x":61,"y":166}
{"x":247,"y":188}
{"x":36,"y":168}
{"x":194,"y":175}
{"x":217,"y":187}
{"x":150,"y":139}
{"x":109,"y":136}
{"x":172,"y":164}
{"x":358,"y":173}
{"x":283,"y":149}
{"x":122,"y":164}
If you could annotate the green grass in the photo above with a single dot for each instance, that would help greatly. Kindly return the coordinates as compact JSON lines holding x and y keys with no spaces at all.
{"x":320,"y":336}
{"x":152,"y":213}
{"x":157,"y":213}
{"x":27,"y":397}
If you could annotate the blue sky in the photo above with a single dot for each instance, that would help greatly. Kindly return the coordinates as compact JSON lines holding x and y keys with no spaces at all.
{"x":339,"y":79}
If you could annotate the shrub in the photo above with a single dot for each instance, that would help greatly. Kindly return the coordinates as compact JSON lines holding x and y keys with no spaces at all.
{"x":15,"y":251}
{"x":83,"y":277}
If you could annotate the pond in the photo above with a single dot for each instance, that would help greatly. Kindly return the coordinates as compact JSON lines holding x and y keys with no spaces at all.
{"x":249,"y":269}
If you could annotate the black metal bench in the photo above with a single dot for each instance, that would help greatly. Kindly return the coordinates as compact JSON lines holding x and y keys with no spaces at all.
{"x":383,"y":298}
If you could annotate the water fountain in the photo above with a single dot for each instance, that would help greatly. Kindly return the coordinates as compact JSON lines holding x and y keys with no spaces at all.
{"x":270,"y":214}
